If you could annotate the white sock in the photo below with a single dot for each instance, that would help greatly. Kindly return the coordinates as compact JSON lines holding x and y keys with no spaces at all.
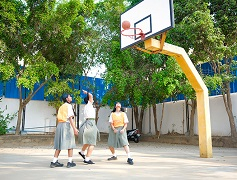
{"x":114,"y":155}
{"x":87,"y":158}
{"x":55,"y":159}
{"x":129,"y":155}
{"x":70,"y":159}
{"x":83,"y":152}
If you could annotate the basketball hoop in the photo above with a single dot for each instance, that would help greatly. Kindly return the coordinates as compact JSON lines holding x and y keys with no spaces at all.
{"x":141,"y":34}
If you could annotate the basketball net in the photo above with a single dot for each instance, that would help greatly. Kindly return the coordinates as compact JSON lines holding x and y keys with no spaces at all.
{"x":133,"y":33}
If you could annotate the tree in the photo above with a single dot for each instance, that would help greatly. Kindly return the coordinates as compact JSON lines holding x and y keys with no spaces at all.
{"x":166,"y":83}
{"x":6,"y":68}
{"x":198,"y":32}
{"x":18,"y":38}
{"x":104,"y":28}
{"x":224,"y":17}
{"x":31,"y":76}
{"x":41,"y":39}
{"x":56,"y":88}
{"x":129,"y":72}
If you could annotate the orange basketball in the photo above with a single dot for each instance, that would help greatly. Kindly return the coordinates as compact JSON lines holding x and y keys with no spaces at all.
{"x":126,"y":25}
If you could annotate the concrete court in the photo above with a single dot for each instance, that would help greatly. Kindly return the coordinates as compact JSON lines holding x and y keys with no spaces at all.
{"x":151,"y":161}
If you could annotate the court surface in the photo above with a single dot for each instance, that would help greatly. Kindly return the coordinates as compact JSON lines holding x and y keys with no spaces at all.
{"x":151,"y":161}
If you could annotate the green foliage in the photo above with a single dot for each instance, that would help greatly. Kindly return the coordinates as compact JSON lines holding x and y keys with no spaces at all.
{"x":186,"y":8}
{"x":207,"y":41}
{"x":6,"y":71}
{"x":224,"y":13}
{"x":169,"y":81}
{"x":201,"y":28}
{"x":213,"y":82}
{"x":141,"y":78}
{"x":42,"y":39}
{"x":136,"y":77}
{"x":5,"y":120}
{"x":56,"y":89}
{"x":196,"y":33}
{"x":38,"y":69}
{"x":67,"y":37}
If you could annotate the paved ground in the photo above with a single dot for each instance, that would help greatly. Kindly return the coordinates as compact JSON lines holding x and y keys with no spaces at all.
{"x":151,"y":161}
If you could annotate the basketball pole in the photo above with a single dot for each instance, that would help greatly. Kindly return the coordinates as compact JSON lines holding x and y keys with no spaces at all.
{"x":153,"y":46}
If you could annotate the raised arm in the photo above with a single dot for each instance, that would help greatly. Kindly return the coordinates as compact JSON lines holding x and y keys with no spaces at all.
{"x":90,"y":95}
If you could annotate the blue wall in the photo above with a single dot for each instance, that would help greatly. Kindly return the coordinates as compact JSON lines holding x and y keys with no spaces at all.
{"x":10,"y":89}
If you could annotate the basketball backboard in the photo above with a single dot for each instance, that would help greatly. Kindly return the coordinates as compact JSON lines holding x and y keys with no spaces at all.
{"x":153,"y":17}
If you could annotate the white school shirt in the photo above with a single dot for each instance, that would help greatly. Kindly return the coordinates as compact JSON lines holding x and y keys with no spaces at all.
{"x":70,"y":112}
{"x":89,"y":111}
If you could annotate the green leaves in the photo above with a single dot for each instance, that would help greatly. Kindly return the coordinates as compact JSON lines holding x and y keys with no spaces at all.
{"x":5,"y":119}
{"x":224,"y":14}
{"x":57,"y":88}
{"x":6,"y":71}
{"x":213,"y":82}
{"x":37,"y":70}
{"x":205,"y":40}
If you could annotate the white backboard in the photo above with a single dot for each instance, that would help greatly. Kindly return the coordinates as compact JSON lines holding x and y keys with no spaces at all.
{"x":153,"y":17}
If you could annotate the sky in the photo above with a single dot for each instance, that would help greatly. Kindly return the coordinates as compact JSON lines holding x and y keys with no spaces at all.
{"x":96,"y":71}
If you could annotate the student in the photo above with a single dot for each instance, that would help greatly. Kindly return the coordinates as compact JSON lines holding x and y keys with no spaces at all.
{"x":88,"y":132}
{"x":65,"y":133}
{"x":117,"y":133}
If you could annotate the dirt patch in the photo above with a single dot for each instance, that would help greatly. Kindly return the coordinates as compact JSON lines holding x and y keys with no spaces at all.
{"x":182,"y":139}
{"x":47,"y":140}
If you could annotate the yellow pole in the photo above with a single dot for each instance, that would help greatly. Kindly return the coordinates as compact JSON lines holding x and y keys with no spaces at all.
{"x":203,"y":111}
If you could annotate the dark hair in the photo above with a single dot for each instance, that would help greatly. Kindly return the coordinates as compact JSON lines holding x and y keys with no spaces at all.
{"x":121,"y":109}
{"x":64,"y":97}
{"x":86,"y":99}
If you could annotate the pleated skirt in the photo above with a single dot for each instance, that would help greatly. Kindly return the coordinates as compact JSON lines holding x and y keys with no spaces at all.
{"x":117,"y":140}
{"x":88,"y":133}
{"x":64,"y":137}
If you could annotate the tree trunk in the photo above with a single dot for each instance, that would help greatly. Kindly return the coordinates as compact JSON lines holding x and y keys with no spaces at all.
{"x":24,"y":102}
{"x":193,"y":110}
{"x":155,"y":118}
{"x":56,"y":119}
{"x":228,"y":107}
{"x":161,"y":120}
{"x":18,"y":125}
{"x":187,"y":116}
{"x":136,"y":114}
{"x":19,"y":117}
{"x":141,"y":119}
{"x":97,"y":114}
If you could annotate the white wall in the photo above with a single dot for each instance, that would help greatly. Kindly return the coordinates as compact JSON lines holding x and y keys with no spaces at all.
{"x":39,"y":114}
{"x":175,"y":117}
{"x":220,"y":125}
{"x":10,"y":106}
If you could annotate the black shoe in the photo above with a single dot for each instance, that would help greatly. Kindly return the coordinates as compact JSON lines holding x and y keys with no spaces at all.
{"x":89,"y":162}
{"x":112,"y":158}
{"x":56,"y":164}
{"x":130,"y":161}
{"x":82,"y":155}
{"x":72,"y":164}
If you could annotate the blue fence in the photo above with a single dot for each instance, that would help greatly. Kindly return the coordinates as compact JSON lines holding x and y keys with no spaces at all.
{"x":10,"y":90}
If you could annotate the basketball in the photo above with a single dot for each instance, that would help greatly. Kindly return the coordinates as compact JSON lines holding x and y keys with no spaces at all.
{"x":126,"y":25}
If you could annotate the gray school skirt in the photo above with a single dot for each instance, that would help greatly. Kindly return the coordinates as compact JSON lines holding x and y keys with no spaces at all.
{"x":88,"y":133}
{"x":117,"y":140}
{"x":64,"y":137}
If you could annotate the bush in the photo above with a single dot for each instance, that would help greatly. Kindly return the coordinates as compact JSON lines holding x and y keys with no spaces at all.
{"x":5,"y":120}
